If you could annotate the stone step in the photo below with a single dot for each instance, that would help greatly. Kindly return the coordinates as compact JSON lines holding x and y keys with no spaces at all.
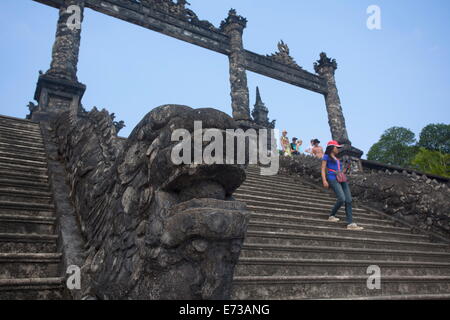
{"x":292,"y":188}
{"x":290,"y":198}
{"x":29,"y":208}
{"x":18,"y":148}
{"x":320,"y":215}
{"x":24,"y":162}
{"x":8,"y":136}
{"x":354,"y":241}
{"x":289,"y":188}
{"x":15,"y":194}
{"x":7,"y":120}
{"x":28,"y":132}
{"x":278,"y":183}
{"x":32,"y":289}
{"x":20,"y":143}
{"x":15,"y":130}
{"x":24,"y":185}
{"x":23,"y":224}
{"x":334,"y":267}
{"x":34,"y":177}
{"x":29,"y":265}
{"x":290,"y":219}
{"x":22,"y":156}
{"x":256,"y":250}
{"x":333,"y":231}
{"x":32,"y":206}
{"x":24,"y":168}
{"x":31,"y":154}
{"x":23,"y":243}
{"x":282,"y":193}
{"x":313,"y":287}
{"x":25,"y":151}
{"x":275,"y":178}
{"x":310,"y":205}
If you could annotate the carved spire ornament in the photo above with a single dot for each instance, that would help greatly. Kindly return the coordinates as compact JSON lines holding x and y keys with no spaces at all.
{"x":324,"y":62}
{"x":283,"y":56}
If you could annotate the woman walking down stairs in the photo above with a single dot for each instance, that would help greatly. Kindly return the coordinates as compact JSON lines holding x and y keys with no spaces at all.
{"x":292,"y":251}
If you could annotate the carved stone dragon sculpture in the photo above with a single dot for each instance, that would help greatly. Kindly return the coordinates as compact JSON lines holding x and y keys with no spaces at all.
{"x":154,"y":230}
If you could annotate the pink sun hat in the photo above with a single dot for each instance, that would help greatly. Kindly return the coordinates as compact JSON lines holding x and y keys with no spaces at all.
{"x":334,"y":143}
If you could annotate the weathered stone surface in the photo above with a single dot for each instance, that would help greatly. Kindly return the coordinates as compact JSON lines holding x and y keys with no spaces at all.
{"x":233,"y":26}
{"x":155,"y":230}
{"x":67,"y":44}
{"x":404,"y":196}
{"x":326,"y":67}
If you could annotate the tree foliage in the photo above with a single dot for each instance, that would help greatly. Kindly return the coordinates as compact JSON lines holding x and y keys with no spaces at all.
{"x":395,"y":147}
{"x":433,"y":162}
{"x":436,"y":137}
{"x":431,"y":154}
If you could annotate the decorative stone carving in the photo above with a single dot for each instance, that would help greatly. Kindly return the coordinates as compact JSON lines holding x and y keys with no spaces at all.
{"x":67,"y":45}
{"x":155,"y":230}
{"x":179,"y":10}
{"x":260,"y":112}
{"x":282,"y":56}
{"x":32,"y":107}
{"x":326,"y":68}
{"x":233,"y":18}
{"x":324,"y":62}
{"x":233,"y":26}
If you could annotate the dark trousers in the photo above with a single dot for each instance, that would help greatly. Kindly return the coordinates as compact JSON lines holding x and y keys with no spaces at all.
{"x":342,"y":191}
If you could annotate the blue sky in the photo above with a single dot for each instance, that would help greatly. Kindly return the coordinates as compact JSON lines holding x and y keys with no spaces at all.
{"x":396,"y":76}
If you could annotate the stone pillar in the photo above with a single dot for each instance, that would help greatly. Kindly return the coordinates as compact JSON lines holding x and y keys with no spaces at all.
{"x":351,"y":156}
{"x":326,"y":67}
{"x":58,"y":89}
{"x":233,"y":26}
{"x":67,"y":43}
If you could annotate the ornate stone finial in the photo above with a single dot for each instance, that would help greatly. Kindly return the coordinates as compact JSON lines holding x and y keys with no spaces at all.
{"x":258,"y":98}
{"x":283,"y":56}
{"x":233,"y":18}
{"x":260,"y":112}
{"x":324,"y":62}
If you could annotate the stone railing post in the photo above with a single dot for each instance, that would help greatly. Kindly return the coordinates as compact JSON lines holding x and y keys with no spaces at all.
{"x":233,"y":26}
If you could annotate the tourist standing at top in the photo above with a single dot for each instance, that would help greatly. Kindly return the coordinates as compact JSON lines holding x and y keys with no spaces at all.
{"x":332,"y":176}
{"x":315,"y":149}
{"x":285,"y":146}
{"x":295,"y":146}
{"x":309,"y":150}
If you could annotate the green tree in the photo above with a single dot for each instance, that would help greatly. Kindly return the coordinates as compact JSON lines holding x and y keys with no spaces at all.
{"x":395,"y":147}
{"x":433,"y":162}
{"x":435,"y":137}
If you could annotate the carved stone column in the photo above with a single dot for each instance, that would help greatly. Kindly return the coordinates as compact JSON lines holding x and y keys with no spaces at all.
{"x":234,"y":26}
{"x":326,"y":68}
{"x":58,"y":89}
{"x":67,"y":43}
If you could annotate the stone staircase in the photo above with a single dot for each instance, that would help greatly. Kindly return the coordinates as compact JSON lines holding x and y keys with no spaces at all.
{"x":291,"y":251}
{"x":29,"y":261}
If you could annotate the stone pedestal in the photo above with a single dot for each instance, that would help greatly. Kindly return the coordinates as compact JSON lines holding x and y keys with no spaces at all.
{"x":56,"y":95}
